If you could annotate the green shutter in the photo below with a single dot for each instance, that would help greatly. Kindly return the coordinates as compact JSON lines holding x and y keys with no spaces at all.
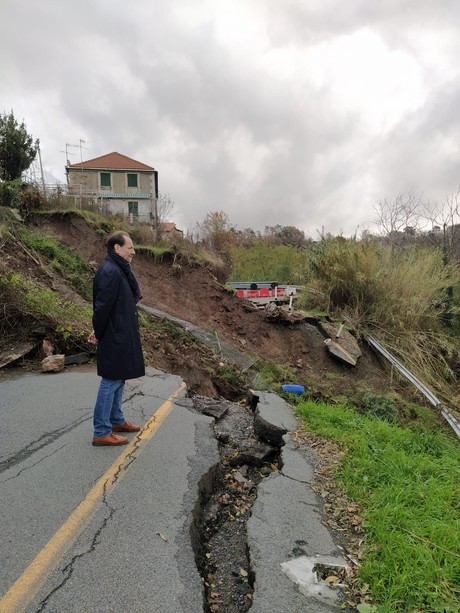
{"x":106,"y":179}
{"x":132,"y":180}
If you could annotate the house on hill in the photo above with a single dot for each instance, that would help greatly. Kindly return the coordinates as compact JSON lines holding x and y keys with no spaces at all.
{"x":119,"y":185}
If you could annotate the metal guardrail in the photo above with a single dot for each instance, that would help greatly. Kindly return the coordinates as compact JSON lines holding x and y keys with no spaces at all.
{"x":453,"y":423}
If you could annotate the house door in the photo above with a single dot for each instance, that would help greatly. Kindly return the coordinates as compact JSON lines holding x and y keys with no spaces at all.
{"x":133,"y":211}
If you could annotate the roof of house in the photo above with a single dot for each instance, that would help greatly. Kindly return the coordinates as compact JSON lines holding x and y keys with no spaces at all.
{"x":168,"y":227}
{"x":112,"y":161}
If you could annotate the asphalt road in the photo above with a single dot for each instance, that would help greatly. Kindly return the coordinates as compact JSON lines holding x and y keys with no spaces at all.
{"x":95,"y":529}
{"x":98,"y":529}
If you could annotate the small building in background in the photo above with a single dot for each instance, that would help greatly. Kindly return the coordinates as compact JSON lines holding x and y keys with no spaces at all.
{"x":119,"y":185}
{"x":168,"y":231}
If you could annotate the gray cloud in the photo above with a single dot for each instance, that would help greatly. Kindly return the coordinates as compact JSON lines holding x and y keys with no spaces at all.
{"x":288,"y":113}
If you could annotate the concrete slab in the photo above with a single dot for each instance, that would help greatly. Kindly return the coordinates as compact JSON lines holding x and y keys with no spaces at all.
{"x":285,"y":525}
{"x":274,"y":417}
{"x":294,"y":465}
{"x":275,"y":410}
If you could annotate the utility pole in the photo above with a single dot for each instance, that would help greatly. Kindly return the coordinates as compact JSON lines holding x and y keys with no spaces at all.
{"x":41,"y":173}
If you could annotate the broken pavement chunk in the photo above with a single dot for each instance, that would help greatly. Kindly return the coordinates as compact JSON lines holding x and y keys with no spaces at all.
{"x":339,"y":352}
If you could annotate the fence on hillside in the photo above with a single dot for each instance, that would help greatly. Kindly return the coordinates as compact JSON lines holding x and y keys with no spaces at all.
{"x":227,"y":352}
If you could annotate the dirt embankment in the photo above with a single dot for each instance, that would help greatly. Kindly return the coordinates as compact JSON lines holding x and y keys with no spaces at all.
{"x":191,"y":292}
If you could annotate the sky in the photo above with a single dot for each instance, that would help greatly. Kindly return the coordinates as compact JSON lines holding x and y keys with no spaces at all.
{"x":298,"y":113}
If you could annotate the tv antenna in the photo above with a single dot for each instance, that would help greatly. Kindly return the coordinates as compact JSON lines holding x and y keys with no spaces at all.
{"x":67,"y":152}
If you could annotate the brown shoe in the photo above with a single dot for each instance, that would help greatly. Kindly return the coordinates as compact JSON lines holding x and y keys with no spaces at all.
{"x":110,"y":439}
{"x":126,"y":426}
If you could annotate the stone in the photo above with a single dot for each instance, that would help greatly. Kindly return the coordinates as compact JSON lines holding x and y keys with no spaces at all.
{"x":53,"y":363}
{"x":256,"y":455}
{"x":77,"y":358}
{"x":46,"y":348}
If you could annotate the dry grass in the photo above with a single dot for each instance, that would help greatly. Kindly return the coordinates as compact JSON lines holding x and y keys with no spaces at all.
{"x":399,"y":296}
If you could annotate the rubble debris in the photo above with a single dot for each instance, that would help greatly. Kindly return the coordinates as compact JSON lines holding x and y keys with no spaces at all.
{"x":13,"y":354}
{"x":226,"y":498}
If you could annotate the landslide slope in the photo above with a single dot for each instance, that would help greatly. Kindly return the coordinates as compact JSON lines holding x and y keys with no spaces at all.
{"x":191,"y":292}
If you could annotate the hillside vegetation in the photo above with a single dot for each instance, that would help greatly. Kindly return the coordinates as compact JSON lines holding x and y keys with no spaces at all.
{"x":402,"y":296}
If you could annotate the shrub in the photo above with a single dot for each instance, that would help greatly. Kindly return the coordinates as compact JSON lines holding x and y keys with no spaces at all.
{"x":383,"y":287}
{"x":269,"y":375}
{"x":10,"y":193}
{"x":381,"y":407}
{"x":267,"y":262}
{"x":398,"y":295}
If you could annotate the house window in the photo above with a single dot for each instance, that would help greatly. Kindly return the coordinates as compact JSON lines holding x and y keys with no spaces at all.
{"x":133,"y":210}
{"x":106,"y":179}
{"x":132,"y":180}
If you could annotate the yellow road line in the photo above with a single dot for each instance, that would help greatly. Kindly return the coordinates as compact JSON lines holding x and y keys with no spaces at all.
{"x":24,"y":590}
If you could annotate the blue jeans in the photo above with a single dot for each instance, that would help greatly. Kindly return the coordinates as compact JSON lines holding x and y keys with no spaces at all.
{"x":108,"y":407}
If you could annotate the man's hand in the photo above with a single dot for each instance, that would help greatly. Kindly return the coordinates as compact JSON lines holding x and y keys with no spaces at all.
{"x":92,"y":338}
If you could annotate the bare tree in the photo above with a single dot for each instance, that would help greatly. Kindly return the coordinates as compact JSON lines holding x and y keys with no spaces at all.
{"x":285,"y":235}
{"x":445,"y":219}
{"x":164,"y":207}
{"x":400,"y":215}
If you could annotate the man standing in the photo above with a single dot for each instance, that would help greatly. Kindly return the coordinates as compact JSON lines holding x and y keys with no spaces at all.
{"x":116,"y":332}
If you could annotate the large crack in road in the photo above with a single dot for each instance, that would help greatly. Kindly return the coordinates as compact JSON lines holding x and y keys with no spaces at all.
{"x":226,"y":495}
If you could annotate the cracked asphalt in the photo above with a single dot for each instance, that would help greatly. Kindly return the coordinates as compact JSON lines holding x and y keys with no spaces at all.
{"x":129,"y":548}
{"x":108,"y":529}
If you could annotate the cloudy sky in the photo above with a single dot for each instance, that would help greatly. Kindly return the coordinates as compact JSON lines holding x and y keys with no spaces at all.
{"x":293,"y":112}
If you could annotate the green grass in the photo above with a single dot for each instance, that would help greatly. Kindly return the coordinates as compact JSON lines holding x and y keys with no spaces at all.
{"x":67,"y":262}
{"x":68,"y":318}
{"x":231,"y":375}
{"x":156,"y":251}
{"x":408,"y":483}
{"x":269,"y":375}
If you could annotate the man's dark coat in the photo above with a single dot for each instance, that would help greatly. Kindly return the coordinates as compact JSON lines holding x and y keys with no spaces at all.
{"x":116,"y":325}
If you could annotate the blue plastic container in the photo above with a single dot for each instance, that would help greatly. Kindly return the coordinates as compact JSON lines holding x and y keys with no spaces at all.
{"x":293,"y":389}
